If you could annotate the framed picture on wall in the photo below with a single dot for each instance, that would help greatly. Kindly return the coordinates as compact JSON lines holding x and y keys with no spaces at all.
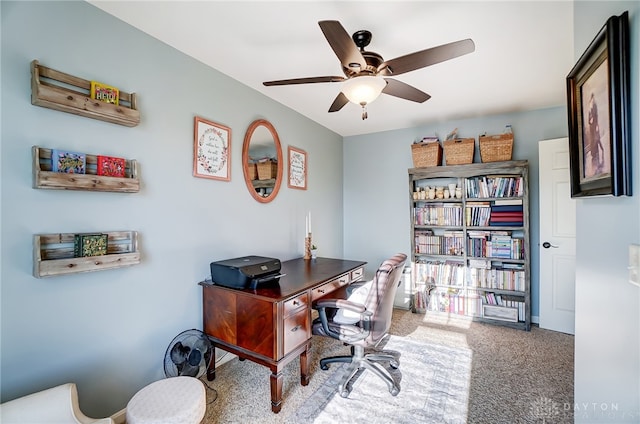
{"x":598,"y":106}
{"x":211,"y":150}
{"x":297,"y":168}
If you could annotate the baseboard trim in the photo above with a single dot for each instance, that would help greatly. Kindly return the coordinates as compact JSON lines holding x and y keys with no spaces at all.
{"x":120,"y":417}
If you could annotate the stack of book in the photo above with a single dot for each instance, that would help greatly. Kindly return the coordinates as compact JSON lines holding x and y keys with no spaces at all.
{"x":506,"y":215}
{"x":499,"y":247}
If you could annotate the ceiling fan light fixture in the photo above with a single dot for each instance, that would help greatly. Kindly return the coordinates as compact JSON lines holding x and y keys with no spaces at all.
{"x":364,"y":89}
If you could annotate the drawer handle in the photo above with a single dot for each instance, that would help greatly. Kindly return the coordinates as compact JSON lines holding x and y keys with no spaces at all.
{"x":296,"y":303}
{"x":296,"y":328}
{"x":320,"y":290}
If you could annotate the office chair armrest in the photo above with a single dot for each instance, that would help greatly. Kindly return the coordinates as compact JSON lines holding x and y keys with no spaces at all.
{"x":361,"y":330}
{"x":339,"y":304}
{"x":356,"y":285}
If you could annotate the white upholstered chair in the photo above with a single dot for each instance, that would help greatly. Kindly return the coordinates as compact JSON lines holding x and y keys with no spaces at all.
{"x":57,"y":405}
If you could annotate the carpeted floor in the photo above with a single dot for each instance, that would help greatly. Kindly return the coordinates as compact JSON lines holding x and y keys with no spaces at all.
{"x":451,"y":371}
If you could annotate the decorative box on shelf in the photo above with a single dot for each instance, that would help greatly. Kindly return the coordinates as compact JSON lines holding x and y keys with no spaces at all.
{"x":64,"y":92}
{"x":501,"y":313}
{"x":495,"y":148}
{"x":53,"y":254}
{"x":459,"y":151}
{"x":45,"y":178}
{"x":426,"y":154}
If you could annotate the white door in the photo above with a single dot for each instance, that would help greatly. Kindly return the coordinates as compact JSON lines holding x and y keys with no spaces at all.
{"x":557,"y":238}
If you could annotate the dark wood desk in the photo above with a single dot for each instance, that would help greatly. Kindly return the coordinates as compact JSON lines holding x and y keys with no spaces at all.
{"x":271,"y":325}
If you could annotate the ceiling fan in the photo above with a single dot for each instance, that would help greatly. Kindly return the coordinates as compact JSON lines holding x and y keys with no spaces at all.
{"x":366,"y":73}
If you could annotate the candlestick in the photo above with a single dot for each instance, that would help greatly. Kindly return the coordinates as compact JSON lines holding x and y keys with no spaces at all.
{"x":307,"y":246}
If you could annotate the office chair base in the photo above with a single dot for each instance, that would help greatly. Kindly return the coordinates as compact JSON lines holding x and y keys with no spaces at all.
{"x":359,"y":361}
{"x":324,"y":362}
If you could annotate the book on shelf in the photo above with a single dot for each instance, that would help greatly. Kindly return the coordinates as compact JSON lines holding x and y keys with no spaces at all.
{"x":105,"y":93}
{"x":441,"y":214}
{"x":508,"y":202}
{"x":68,"y":162}
{"x":507,"y":208}
{"x":494,"y":186}
{"x":505,"y":223}
{"x":434,"y":273}
{"x":90,"y":245}
{"x":111,"y":166}
{"x":477,"y":214}
{"x":507,"y":215}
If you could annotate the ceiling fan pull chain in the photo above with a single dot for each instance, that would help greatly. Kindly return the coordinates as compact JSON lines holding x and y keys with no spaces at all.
{"x":364,"y":111}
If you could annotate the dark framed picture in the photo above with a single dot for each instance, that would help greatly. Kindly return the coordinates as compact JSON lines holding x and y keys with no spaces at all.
{"x":598,"y":107}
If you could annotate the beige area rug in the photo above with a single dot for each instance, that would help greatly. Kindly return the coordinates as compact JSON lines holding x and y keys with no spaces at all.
{"x":434,"y":388}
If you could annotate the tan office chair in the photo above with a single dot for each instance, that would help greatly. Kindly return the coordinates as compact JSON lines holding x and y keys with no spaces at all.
{"x":362,"y":321}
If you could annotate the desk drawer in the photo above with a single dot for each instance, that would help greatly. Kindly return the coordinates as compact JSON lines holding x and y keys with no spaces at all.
{"x":327,"y":288}
{"x":299,"y":302}
{"x":296,"y":330}
{"x":357,"y":274}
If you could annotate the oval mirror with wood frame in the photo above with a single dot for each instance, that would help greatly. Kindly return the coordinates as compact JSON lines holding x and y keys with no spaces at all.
{"x":262,"y":161}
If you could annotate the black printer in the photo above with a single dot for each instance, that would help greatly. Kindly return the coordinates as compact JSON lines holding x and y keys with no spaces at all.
{"x":246,"y":272}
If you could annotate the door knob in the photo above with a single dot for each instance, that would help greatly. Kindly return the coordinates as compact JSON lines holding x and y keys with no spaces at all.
{"x":547,"y":245}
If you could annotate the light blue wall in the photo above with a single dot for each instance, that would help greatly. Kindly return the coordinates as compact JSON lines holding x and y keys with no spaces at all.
{"x":376,"y":181}
{"x":108,"y":331}
{"x":607,"y":342}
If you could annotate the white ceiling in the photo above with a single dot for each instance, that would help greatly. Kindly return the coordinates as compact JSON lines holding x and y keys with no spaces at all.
{"x":524,"y":50}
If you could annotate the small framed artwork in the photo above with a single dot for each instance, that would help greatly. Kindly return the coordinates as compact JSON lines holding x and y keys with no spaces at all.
{"x":211,"y":150}
{"x":598,"y":107}
{"x":297,"y":168}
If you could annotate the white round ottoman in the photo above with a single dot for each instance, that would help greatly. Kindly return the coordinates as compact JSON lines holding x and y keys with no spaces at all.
{"x":175,"y":400}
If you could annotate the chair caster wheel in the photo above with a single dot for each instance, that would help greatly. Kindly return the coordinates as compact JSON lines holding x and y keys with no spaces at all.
{"x":394,"y":391}
{"x":344,"y":393}
{"x":394,"y":364}
{"x":324,"y":367}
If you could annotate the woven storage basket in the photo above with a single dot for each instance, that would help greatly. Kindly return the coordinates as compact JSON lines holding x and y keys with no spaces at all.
{"x":426,"y":154}
{"x":495,"y":148}
{"x":267,"y":170}
{"x":253,"y":172}
{"x":459,"y":151}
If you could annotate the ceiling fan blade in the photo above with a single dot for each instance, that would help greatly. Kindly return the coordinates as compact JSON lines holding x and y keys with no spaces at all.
{"x":339,"y":102}
{"x":404,"y":91}
{"x":427,"y":57}
{"x":309,"y":80}
{"x":343,"y":46}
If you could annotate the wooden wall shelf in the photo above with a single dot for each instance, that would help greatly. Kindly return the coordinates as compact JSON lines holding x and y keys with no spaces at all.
{"x":53,"y":254}
{"x":44,"y":178}
{"x":60,"y":91}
